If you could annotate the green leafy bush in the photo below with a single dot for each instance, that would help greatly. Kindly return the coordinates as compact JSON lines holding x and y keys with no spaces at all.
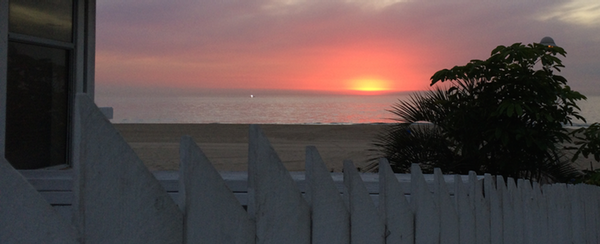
{"x":503,"y":116}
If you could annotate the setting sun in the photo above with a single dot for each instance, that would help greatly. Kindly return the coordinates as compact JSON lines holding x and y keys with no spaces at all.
{"x":369,"y":85}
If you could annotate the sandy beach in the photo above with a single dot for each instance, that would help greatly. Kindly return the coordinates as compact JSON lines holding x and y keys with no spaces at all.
{"x":226,"y":145}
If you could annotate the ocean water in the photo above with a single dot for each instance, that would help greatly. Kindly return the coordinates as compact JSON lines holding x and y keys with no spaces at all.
{"x":270,"y":108}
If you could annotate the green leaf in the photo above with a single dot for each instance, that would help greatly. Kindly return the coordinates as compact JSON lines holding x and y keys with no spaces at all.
{"x":519,"y":110}
{"x":503,"y":115}
{"x":510,"y":110}
{"x":498,"y":133}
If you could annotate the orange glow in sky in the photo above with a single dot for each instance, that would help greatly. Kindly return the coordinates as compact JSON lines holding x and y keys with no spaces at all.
{"x":357,"y":46}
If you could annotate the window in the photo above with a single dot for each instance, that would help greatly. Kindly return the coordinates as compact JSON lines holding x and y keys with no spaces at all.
{"x":39,"y":82}
{"x":37,"y":118}
{"x":45,"y":19}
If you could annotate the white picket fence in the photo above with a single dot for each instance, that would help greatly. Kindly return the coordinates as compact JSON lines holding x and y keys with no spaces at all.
{"x":115,"y":199}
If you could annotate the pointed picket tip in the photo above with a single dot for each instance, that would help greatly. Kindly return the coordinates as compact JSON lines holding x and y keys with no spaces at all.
{"x":449,"y":227}
{"x":518,"y":209}
{"x":541,"y":213}
{"x":25,"y":216}
{"x":472,"y":186}
{"x":482,"y":213}
{"x":427,"y":219}
{"x":212,"y":214}
{"x":507,"y":191}
{"x":116,"y":198}
{"x":330,"y":217}
{"x":492,"y":195}
{"x":465,"y":211}
{"x":526,"y":194}
{"x":274,"y":201}
{"x":488,"y":185}
{"x":394,"y":207}
{"x":417,"y":181}
{"x":366,"y":226}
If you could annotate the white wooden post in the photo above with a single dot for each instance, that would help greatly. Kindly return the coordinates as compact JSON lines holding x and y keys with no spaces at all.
{"x":508,"y":212}
{"x":466,"y":212}
{"x":330,"y":217}
{"x":427,"y":219}
{"x":394,"y":208}
{"x":117,"y":200}
{"x":541,"y":215}
{"x":25,"y":216}
{"x":366,"y":226}
{"x":494,"y":197}
{"x":516,"y":205}
{"x":449,"y":227}
{"x":212,"y":214}
{"x":274,"y":201}
{"x":482,"y":214}
{"x":526,"y":191}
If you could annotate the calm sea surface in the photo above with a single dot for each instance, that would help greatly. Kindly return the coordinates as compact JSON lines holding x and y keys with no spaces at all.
{"x":269,"y":108}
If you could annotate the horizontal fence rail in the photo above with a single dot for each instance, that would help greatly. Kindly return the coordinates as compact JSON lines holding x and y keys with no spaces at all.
{"x":110,"y":197}
{"x":56,"y":185}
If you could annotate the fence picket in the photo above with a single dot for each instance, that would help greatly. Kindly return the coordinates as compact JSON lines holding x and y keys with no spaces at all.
{"x":212,"y":214}
{"x":427,"y":219}
{"x":528,"y":212}
{"x":366,"y":226}
{"x":449,"y":228}
{"x":482,"y":214}
{"x":465,"y":211}
{"x":591,"y":212}
{"x":394,"y":208}
{"x":277,"y":206}
{"x":330,"y":217}
{"x":517,"y":209}
{"x":116,"y":199}
{"x":541,"y":214}
{"x":494,"y":197}
{"x":25,"y":216}
{"x":508,"y":212}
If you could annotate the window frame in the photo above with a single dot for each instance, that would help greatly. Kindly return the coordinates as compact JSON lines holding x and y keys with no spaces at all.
{"x":82,"y":56}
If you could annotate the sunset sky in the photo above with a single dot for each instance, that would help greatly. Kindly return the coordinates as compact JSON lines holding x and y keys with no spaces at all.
{"x":328,"y":45}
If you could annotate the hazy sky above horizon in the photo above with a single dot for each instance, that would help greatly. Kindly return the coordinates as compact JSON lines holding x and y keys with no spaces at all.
{"x":332,"y":45}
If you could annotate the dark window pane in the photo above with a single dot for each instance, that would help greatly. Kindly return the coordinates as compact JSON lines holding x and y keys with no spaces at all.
{"x":37,"y":106}
{"x":42,"y":18}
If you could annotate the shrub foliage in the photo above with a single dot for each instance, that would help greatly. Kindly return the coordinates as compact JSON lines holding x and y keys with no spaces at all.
{"x":504,"y":116}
